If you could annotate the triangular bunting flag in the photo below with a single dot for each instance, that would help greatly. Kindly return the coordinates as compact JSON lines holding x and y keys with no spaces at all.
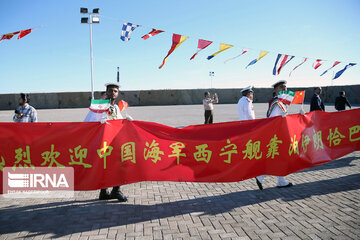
{"x":23,"y":33}
{"x":8,"y":36}
{"x":335,"y":63}
{"x":177,"y":41}
{"x":152,"y":33}
{"x":338,"y":74}
{"x":223,"y":47}
{"x":262,"y":54}
{"x":202,"y":44}
{"x":305,"y":59}
{"x":317,"y":63}
{"x":245,"y":50}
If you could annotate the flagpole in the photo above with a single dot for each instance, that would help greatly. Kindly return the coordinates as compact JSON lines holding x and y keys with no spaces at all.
{"x":302,"y":104}
{"x":91,"y":60}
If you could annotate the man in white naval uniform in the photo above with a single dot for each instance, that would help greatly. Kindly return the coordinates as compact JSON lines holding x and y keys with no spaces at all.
{"x":112,"y":92}
{"x":276,"y":108}
{"x":245,"y":106}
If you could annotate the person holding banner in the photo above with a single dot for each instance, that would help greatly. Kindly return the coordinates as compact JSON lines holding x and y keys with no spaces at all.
{"x":277,"y":108}
{"x":245,"y":106}
{"x":112,"y":92}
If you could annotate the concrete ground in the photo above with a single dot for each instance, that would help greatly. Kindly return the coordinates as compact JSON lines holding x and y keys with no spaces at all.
{"x":322,"y":204}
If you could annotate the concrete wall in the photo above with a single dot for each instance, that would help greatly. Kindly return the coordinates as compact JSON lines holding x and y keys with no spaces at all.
{"x":167,"y":97}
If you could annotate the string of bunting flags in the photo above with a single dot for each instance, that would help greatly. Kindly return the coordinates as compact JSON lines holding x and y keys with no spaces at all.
{"x":21,"y":33}
{"x":280,"y":62}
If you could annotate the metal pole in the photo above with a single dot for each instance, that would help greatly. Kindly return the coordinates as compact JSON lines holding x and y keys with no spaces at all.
{"x":91,"y":59}
{"x":118,"y":75}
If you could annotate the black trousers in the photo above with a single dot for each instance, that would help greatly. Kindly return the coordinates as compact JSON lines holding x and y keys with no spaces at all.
{"x":208,"y":116}
{"x":115,"y":189}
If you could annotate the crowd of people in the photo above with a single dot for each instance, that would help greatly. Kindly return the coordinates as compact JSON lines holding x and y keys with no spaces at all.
{"x":26,"y":113}
{"x":276,"y":108}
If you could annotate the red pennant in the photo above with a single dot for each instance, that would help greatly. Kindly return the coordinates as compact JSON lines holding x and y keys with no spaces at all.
{"x":23,"y":33}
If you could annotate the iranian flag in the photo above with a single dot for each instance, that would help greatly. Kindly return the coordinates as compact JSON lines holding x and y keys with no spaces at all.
{"x":286,"y":97}
{"x":100,"y":105}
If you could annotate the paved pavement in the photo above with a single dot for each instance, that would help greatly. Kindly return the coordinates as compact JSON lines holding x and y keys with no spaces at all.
{"x":323,"y":203}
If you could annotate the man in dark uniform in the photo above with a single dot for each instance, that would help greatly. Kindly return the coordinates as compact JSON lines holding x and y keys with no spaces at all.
{"x":316,"y":102}
{"x":340,"y":102}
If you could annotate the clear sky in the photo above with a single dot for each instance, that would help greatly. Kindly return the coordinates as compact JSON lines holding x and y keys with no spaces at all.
{"x":55,"y":56}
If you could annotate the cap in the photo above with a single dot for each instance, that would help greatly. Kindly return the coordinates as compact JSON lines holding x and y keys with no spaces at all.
{"x":248,"y":88}
{"x":112,"y":84}
{"x":279,"y":83}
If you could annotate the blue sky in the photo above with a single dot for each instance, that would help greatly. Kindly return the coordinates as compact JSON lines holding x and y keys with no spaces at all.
{"x":55,"y":56}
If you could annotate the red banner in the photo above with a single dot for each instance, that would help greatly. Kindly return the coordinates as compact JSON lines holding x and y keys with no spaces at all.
{"x":120,"y":152}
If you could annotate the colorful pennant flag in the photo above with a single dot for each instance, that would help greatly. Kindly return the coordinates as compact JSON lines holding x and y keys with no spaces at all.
{"x":176,"y":42}
{"x":335,"y":63}
{"x":202,"y":44}
{"x":152,"y":33}
{"x":338,"y":74}
{"x":123,"y":105}
{"x":262,"y":54}
{"x":286,"y":97}
{"x":280,"y":62}
{"x":23,"y":33}
{"x":243,"y":51}
{"x":305,"y":59}
{"x":223,"y":47}
{"x":317,"y":63}
{"x":127,"y":30}
{"x":299,"y":97}
{"x":8,"y":36}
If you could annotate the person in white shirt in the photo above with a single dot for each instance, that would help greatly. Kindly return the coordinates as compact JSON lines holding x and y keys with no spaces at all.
{"x":245,"y":106}
{"x":276,"y":108}
{"x":25,"y":112}
{"x":208,"y":103}
{"x":112,"y":92}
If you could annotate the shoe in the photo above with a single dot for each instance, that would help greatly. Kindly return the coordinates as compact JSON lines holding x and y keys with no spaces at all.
{"x":285,"y":186}
{"x":118,"y":195}
{"x":104,"y":195}
{"x":259,"y":184}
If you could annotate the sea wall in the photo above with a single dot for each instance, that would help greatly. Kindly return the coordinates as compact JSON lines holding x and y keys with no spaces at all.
{"x":168,"y":97}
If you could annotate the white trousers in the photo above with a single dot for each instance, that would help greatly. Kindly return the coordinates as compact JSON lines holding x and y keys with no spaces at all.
{"x":281,"y":180}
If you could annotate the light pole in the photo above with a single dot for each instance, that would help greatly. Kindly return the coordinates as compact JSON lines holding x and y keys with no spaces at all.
{"x":118,"y":75}
{"x":211,"y":74}
{"x":90,"y":20}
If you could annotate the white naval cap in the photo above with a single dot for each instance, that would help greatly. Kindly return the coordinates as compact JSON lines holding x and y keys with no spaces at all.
{"x":248,"y":88}
{"x":279,"y":83}
{"x":112,"y":84}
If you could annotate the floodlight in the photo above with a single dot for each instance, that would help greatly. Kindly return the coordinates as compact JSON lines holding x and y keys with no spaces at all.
{"x":84,"y":20}
{"x":83,"y":10}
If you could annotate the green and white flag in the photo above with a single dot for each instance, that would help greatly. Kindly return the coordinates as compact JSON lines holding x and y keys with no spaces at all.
{"x":286,"y":97}
{"x":100,"y":105}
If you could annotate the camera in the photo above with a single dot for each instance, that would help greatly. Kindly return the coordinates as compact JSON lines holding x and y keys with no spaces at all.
{"x":18,"y":113}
